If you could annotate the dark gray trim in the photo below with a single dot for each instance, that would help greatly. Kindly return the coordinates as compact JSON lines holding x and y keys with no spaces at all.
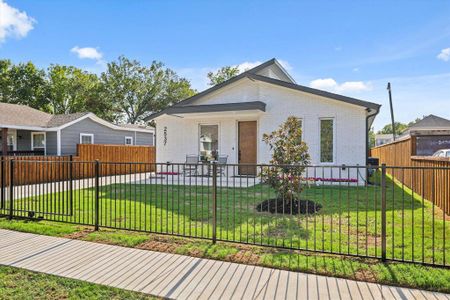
{"x":251,"y":74}
{"x":225,"y":83}
{"x":317,"y":92}
{"x":238,"y":106}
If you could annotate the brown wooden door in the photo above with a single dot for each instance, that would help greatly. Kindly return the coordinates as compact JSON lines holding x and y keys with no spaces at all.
{"x":247,"y":147}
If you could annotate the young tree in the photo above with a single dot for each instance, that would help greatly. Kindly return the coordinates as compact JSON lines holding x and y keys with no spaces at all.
{"x":136,"y":90}
{"x":289,"y":159}
{"x":223,"y":74}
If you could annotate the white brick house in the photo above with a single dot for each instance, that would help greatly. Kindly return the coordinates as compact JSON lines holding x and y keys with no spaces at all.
{"x":232,"y":117}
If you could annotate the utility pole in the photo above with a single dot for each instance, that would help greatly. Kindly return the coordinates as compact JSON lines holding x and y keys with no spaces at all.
{"x":392,"y":110}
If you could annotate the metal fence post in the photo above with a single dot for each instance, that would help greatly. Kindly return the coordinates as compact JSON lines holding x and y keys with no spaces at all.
{"x":2,"y":183}
{"x":11,"y":189}
{"x":71,"y":183}
{"x":97,"y":203}
{"x":383,"y":212}
{"x":214,"y":204}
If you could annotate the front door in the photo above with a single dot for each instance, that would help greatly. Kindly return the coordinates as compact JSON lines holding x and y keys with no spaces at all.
{"x":247,"y":131}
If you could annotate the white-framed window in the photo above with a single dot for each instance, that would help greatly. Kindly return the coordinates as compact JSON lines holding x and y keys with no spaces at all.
{"x":38,"y":141}
{"x":128,"y":140}
{"x":86,"y":138}
{"x":327,"y":140}
{"x":208,"y":141}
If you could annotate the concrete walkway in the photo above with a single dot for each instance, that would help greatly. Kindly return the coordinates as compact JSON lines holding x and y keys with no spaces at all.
{"x":181,"y":277}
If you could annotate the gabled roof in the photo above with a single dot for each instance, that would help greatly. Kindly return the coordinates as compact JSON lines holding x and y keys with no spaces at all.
{"x":253,"y":75}
{"x":317,"y":92}
{"x":27,"y":118}
{"x":431,"y":122}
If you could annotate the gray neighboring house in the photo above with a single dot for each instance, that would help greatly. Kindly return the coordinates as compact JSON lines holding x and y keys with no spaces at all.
{"x":27,"y":130}
{"x":431,"y":134}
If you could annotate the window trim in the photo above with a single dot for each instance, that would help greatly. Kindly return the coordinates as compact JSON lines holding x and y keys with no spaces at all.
{"x":132,"y":142}
{"x":334,"y":141}
{"x":200,"y":132}
{"x":45,"y":140}
{"x":87,"y":134}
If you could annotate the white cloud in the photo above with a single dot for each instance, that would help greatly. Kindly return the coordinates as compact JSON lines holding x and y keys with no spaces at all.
{"x":13,"y":22}
{"x":247,"y":65}
{"x":331,"y":85}
{"x":87,"y":52}
{"x":444,"y":55}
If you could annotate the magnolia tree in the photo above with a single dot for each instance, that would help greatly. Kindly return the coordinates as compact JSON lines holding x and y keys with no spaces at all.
{"x":289,"y":159}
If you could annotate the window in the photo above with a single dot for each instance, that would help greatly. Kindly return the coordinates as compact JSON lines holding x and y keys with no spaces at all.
{"x":128,"y":140}
{"x":11,"y":142}
{"x":326,"y":141}
{"x":209,"y":142}
{"x":38,"y":141}
{"x":86,"y":138}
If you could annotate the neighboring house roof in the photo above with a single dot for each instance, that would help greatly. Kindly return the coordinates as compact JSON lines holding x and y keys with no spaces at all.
{"x":289,"y":83}
{"x":21,"y":115}
{"x":431,"y":122}
{"x":238,"y":106}
{"x":24,"y":117}
{"x":59,"y":120}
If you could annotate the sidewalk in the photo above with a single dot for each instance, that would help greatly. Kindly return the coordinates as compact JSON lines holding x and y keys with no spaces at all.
{"x":181,"y":277}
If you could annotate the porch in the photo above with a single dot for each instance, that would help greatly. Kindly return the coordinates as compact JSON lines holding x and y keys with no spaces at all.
{"x":23,"y":142}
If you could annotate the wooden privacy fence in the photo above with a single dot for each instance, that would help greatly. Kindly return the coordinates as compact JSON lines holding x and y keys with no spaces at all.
{"x":428,"y":177}
{"x":39,"y":169}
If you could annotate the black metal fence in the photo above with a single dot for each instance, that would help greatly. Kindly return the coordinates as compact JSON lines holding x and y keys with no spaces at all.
{"x":350,"y":210}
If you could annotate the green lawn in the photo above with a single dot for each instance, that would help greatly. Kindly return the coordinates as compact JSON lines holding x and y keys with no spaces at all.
{"x":349,"y":222}
{"x":22,"y":284}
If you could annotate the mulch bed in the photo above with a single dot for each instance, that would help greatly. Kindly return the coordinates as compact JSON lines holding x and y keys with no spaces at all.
{"x":293,"y":207}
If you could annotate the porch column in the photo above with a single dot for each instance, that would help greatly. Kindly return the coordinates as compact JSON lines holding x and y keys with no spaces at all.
{"x":4,"y":141}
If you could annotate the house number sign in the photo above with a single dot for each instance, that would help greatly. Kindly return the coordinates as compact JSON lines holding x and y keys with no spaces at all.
{"x":165,"y":135}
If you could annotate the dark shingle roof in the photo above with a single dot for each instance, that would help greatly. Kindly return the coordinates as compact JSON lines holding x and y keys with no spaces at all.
{"x":429,"y":122}
{"x":252,"y":74}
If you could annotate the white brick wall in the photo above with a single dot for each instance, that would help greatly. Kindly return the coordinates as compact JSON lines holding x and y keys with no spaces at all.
{"x":349,"y":122}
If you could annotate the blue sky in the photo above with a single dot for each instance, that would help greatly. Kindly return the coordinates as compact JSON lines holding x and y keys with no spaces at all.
{"x":345,"y":47}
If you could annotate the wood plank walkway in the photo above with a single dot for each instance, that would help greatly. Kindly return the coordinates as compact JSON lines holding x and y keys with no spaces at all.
{"x":181,"y":277}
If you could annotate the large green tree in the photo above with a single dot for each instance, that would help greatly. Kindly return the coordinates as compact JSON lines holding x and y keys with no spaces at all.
{"x":71,"y":90}
{"x":136,"y":90}
{"x":23,"y":83}
{"x":223,"y":74}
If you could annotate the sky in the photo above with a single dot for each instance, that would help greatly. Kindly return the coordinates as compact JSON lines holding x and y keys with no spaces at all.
{"x":349,"y":47}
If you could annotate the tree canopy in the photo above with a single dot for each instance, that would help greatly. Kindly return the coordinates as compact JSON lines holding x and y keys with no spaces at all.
{"x":126,"y":91}
{"x":223,"y":74}
{"x":399,"y":127}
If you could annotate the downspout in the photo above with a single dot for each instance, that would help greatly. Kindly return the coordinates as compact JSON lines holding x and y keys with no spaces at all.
{"x":367,"y":132}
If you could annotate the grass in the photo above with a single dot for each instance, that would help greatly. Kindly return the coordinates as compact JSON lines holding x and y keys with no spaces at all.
{"x":22,"y":284}
{"x":349,"y":223}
